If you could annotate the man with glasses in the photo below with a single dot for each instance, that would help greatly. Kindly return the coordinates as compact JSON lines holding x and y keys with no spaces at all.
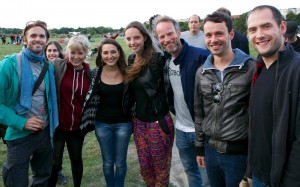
{"x":222,"y":91}
{"x":28,"y":106}
{"x":180,"y":70}
{"x":274,"y":135}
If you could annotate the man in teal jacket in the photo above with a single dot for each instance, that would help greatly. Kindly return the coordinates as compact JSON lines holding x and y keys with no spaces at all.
{"x":31,"y":117}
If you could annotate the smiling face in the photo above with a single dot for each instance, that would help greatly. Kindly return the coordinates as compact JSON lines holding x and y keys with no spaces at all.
{"x":134,"y":40}
{"x":77,"y":57}
{"x":168,"y":38}
{"x":35,"y":40}
{"x":52,"y":52}
{"x":265,"y":35}
{"x":217,"y":38}
{"x":110,"y":55}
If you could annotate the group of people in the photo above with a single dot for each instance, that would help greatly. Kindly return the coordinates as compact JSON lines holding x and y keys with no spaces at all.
{"x":237,"y":118}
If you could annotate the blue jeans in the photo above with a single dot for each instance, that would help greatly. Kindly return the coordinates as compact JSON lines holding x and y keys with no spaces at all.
{"x":224,"y":169}
{"x":185,"y":142}
{"x":113,"y":140}
{"x":258,"y":183}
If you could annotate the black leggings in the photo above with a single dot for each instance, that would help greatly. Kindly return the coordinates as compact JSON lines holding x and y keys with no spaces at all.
{"x":74,"y":141}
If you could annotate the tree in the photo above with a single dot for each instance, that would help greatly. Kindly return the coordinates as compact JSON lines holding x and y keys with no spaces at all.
{"x":291,"y":16}
{"x":239,"y":24}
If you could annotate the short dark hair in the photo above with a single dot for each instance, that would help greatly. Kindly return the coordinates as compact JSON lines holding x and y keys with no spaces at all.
{"x":38,"y":23}
{"x":224,"y":10}
{"x":219,"y":17}
{"x":276,"y":13}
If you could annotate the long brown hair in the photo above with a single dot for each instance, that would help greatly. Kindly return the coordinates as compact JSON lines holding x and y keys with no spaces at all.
{"x":122,"y":59}
{"x":144,"y":58}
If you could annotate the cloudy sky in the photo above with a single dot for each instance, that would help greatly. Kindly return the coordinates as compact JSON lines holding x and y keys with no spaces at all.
{"x":117,"y":13}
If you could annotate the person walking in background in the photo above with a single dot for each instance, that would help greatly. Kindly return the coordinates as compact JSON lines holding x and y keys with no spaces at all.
{"x":153,"y":128}
{"x":28,"y":106}
{"x":274,"y":147}
{"x":179,"y":74}
{"x":239,"y":40}
{"x":222,"y":91}
{"x":291,"y":35}
{"x":194,"y":36}
{"x":72,"y":82}
{"x":3,"y":38}
{"x":54,"y":50}
{"x":109,"y":98}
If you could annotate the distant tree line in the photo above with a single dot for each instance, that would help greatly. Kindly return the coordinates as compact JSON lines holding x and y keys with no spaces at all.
{"x":66,"y":30}
{"x":239,"y":25}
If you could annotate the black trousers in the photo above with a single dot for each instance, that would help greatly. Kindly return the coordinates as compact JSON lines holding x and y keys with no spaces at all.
{"x":74,"y":141}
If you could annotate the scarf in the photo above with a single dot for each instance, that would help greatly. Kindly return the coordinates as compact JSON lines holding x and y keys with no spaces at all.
{"x":27,"y":81}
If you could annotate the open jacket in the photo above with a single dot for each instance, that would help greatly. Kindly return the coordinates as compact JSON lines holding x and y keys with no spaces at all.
{"x":189,"y":60}
{"x":224,"y":126}
{"x":92,"y":101}
{"x":286,"y":124}
{"x":9,"y":97}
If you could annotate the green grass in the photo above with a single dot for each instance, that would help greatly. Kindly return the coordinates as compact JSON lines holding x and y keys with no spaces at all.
{"x":93,"y":175}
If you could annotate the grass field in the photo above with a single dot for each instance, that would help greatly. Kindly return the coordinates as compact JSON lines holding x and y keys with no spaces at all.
{"x":93,"y":175}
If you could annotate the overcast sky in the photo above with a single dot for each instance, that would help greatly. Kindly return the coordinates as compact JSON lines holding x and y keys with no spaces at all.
{"x":117,"y":13}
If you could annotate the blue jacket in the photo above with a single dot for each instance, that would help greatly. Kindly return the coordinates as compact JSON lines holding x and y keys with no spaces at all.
{"x":9,"y":97}
{"x":189,"y":60}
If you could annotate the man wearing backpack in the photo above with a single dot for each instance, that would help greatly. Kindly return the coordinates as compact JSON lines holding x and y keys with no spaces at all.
{"x":28,"y":106}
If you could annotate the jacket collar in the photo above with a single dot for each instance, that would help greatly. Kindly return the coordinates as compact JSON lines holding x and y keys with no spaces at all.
{"x":182,"y":55}
{"x":238,"y":61}
{"x":284,"y":57}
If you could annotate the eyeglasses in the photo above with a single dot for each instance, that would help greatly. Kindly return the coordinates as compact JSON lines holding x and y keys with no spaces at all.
{"x":217,"y":89}
{"x":38,"y":23}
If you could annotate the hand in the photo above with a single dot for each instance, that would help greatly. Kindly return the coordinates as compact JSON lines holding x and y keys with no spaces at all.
{"x":200,"y":161}
{"x":34,"y":124}
{"x":248,"y":183}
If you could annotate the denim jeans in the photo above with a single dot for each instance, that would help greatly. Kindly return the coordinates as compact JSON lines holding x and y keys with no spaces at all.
{"x":258,"y":183}
{"x":224,"y":169}
{"x":113,"y":140}
{"x":185,"y":142}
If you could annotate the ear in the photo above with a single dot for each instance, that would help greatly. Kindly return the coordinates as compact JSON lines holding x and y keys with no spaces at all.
{"x":282,"y":27}
{"x":231,"y":34}
{"x":24,"y":40}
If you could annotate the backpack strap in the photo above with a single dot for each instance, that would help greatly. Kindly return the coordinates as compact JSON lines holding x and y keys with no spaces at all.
{"x":40,"y":78}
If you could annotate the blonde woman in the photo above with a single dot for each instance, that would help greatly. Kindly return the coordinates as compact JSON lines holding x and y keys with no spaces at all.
{"x":71,"y":76}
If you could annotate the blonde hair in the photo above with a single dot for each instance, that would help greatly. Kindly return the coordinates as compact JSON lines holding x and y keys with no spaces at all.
{"x":77,"y":43}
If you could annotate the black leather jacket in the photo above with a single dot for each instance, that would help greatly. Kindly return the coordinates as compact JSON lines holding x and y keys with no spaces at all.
{"x":151,"y":79}
{"x":224,"y":126}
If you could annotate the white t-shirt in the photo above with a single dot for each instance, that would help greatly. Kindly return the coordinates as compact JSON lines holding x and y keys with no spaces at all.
{"x":184,"y":121}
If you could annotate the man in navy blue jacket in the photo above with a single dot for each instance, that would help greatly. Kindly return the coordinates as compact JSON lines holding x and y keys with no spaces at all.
{"x":180,"y":70}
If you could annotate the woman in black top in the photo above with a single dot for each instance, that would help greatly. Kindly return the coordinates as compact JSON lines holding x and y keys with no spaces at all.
{"x":152,"y":124}
{"x":107,"y":106}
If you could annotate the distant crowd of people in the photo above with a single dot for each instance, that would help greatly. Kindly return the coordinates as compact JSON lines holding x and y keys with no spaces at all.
{"x":236,"y":117}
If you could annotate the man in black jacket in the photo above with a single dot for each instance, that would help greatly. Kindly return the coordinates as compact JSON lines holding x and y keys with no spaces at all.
{"x":274,"y":137}
{"x":291,"y":35}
